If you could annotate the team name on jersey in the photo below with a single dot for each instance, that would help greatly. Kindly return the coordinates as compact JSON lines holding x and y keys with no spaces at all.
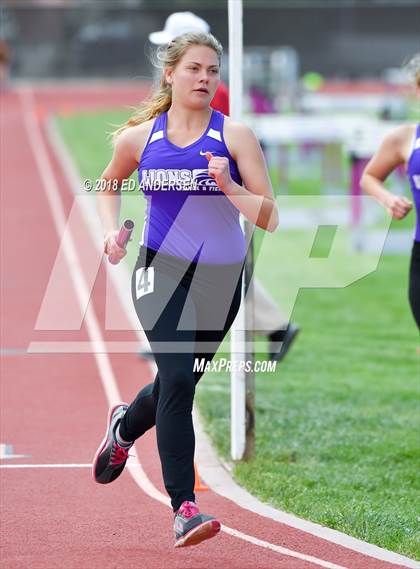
{"x":183,"y":180}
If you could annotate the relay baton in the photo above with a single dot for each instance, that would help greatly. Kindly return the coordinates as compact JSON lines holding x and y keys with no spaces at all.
{"x":123,"y":237}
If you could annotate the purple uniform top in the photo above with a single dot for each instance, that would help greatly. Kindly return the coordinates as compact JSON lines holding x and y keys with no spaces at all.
{"x":413,"y":171}
{"x":187,"y":215}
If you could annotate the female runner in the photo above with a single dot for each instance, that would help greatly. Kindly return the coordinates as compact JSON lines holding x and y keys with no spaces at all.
{"x":400,"y":146}
{"x":198,"y":171}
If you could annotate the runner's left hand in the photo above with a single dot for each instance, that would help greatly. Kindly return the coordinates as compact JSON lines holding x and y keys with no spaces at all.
{"x":220,"y":171}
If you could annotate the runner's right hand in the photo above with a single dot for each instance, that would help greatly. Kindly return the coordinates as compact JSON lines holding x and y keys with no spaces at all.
{"x":111,"y":247}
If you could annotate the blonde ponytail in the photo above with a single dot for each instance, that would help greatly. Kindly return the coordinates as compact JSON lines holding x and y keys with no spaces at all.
{"x":168,"y":58}
{"x":158,"y":104}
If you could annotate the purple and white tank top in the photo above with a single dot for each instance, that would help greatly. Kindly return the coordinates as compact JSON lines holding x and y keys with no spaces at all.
{"x":187,"y":215}
{"x":413,"y":172}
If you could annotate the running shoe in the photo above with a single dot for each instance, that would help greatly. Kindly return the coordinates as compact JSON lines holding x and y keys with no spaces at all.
{"x":110,"y":458}
{"x":191,"y":527}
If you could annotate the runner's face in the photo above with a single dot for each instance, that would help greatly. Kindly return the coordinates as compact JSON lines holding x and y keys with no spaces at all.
{"x":196,"y":77}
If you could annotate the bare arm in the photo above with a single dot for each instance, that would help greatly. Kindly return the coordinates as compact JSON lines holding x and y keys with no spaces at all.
{"x":391,"y":153}
{"x":125,"y":159}
{"x":122,"y":165}
{"x":255,"y":200}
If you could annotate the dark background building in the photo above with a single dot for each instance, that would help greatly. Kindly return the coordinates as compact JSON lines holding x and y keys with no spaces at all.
{"x":342,"y":38}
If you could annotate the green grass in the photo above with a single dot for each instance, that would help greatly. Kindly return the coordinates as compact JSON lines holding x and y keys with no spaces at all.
{"x":337,"y":426}
{"x":337,"y":435}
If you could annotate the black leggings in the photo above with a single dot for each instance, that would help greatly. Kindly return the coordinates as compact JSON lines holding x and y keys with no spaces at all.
{"x":414,"y":284}
{"x":185,"y":310}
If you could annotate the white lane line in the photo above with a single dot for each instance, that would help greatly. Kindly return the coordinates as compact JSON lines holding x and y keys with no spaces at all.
{"x":102,"y":360}
{"x":51,"y":189}
{"x":279,"y":549}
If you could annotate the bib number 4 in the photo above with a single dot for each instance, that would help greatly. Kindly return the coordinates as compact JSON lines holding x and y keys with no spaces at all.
{"x":145,"y":281}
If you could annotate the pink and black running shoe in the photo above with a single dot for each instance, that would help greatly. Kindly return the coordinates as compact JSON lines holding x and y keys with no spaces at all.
{"x":110,"y":458}
{"x":191,"y":527}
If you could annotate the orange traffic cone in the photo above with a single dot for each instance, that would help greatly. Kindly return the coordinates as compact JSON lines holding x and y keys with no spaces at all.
{"x":198,"y":485}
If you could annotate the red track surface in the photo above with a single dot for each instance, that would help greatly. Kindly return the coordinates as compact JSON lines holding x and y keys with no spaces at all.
{"x":54,"y":410}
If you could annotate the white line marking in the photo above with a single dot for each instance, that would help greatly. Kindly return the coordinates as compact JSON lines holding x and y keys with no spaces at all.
{"x":52,"y":193}
{"x":279,"y":549}
{"x":105,"y":371}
